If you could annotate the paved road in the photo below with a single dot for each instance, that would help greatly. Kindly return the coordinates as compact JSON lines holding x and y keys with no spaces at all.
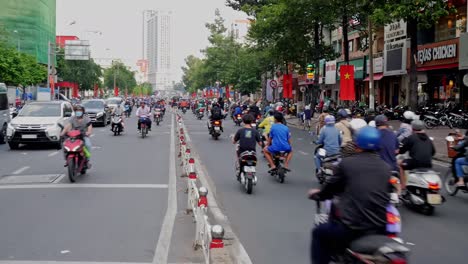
{"x":116,"y":213}
{"x":274,"y":223}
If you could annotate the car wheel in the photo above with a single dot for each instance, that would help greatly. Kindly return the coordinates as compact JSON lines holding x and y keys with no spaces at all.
{"x":3,"y":134}
{"x":13,"y":146}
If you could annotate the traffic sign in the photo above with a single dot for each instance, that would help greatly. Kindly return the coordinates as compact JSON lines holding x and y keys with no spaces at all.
{"x":274,"y":84}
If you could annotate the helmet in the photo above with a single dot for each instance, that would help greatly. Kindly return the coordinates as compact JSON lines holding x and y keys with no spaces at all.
{"x":342,"y":113}
{"x":357,"y":123}
{"x":368,"y":138}
{"x":78,"y":107}
{"x":348,"y":111}
{"x":409,"y":115}
{"x":381,"y":120}
{"x":417,"y":125}
{"x":329,"y":120}
{"x":325,"y":109}
{"x":372,"y":123}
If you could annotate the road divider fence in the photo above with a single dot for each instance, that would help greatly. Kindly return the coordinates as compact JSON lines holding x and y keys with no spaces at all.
{"x":208,"y":237}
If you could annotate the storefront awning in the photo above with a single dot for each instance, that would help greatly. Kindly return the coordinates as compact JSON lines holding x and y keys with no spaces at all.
{"x":377,"y":77}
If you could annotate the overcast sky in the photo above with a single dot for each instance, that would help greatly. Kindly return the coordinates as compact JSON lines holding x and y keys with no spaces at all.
{"x":120,"y":22}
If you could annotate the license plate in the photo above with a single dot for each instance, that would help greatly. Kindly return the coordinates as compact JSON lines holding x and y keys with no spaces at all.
{"x":249,"y":169}
{"x":434,"y":198}
{"x":217,"y":128}
{"x":239,"y":118}
{"x":29,"y":136}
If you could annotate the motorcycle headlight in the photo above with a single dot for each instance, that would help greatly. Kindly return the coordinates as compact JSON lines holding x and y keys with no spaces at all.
{"x":100,"y":114}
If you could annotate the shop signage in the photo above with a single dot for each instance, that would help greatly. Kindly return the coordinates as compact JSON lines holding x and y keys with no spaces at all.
{"x":463,"y":65}
{"x":436,"y":54}
{"x":378,"y":65}
{"x":395,"y":48}
{"x":330,"y":72}
{"x":358,"y":68}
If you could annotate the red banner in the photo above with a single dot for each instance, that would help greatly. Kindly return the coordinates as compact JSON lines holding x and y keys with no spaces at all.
{"x":211,"y":93}
{"x":347,"y":83}
{"x":75,"y":90}
{"x":287,"y":86}
{"x":52,"y":85}
{"x":96,"y":88}
{"x":228,"y":92}
{"x":116,"y":91}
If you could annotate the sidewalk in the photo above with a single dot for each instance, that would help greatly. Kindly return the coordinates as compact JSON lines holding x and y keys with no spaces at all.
{"x":438,"y":133}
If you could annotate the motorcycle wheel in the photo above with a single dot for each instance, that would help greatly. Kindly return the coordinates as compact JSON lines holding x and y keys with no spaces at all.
{"x":249,"y":186}
{"x":427,"y":209}
{"x":143,"y":132}
{"x":72,"y":170}
{"x":215,"y":136}
{"x":115,"y":132}
{"x":429,"y":124}
{"x":281,"y":175}
{"x":450,"y":184}
{"x":157,"y":123}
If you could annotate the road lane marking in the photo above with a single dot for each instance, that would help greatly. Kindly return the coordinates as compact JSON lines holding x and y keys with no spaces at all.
{"x":92,"y":135}
{"x":53,"y":154}
{"x":21,"y":170}
{"x":161,"y":253}
{"x":303,"y":153}
{"x":84,"y":186}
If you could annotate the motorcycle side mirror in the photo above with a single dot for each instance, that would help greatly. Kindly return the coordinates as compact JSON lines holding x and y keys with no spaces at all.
{"x":450,"y":139}
{"x":60,"y":125}
{"x":14,"y":114}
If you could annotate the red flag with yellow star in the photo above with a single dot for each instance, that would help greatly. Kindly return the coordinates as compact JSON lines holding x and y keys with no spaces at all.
{"x":347,"y":83}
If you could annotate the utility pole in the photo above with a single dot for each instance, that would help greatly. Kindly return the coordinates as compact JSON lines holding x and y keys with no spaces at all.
{"x":371,"y":67}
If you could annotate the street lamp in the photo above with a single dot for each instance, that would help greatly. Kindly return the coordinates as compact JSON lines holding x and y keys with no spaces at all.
{"x":19,"y":44}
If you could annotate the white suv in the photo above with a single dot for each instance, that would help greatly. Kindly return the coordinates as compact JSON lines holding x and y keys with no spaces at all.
{"x":38,"y":122}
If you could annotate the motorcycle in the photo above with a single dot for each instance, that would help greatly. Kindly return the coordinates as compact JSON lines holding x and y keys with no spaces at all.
{"x":143,"y":126}
{"x":280,"y":172}
{"x":200,"y":113}
{"x":117,"y":126}
{"x":76,"y":161}
{"x":216,"y":129}
{"x":437,"y":119}
{"x":184,"y":110}
{"x":423,"y":190}
{"x":451,"y":179}
{"x":238,"y":119}
{"x":327,"y":164}
{"x":370,"y":249}
{"x":245,"y":168}
{"x":157,"y":116}
{"x":128,"y":111}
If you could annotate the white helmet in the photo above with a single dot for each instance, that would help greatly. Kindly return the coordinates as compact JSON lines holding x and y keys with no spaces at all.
{"x":357,"y":123}
{"x":372,"y":123}
{"x":409,"y":115}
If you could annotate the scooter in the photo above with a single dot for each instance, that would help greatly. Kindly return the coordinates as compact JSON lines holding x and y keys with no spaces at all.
{"x":76,"y":161}
{"x":117,"y":126}
{"x":200,"y":113}
{"x":143,"y":126}
{"x":280,"y":172}
{"x":157,"y":116}
{"x":369,"y":249}
{"x":216,"y":129}
{"x":423,"y":190}
{"x":245,"y":168}
{"x":238,"y":119}
{"x":451,"y":179}
{"x":327,"y":164}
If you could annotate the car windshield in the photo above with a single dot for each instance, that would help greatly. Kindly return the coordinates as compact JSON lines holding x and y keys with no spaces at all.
{"x":93,"y":104}
{"x":40,"y":110}
{"x":113,"y":101}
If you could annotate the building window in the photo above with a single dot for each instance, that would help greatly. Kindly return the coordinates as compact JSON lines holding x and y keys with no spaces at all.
{"x":451,"y":26}
{"x":350,"y":45}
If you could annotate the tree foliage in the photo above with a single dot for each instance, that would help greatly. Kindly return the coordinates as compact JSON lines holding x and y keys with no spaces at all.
{"x":85,"y":73}
{"x":124,"y":78}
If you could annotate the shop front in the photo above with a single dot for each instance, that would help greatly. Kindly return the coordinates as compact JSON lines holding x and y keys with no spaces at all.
{"x":438,"y":63}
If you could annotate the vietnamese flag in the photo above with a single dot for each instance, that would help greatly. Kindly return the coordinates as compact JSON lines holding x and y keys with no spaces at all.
{"x":287,"y":86}
{"x":347,"y":83}
{"x":96,"y":90}
{"x":211,"y":93}
{"x":75,"y":90}
{"x":116,"y":91}
{"x":228,"y":95}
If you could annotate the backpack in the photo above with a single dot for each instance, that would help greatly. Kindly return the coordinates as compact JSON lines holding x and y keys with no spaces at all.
{"x":216,"y":113}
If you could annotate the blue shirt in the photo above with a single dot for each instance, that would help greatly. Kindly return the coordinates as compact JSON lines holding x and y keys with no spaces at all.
{"x":388,"y":146}
{"x":237,"y":111}
{"x":280,"y":135}
{"x":331,"y":139}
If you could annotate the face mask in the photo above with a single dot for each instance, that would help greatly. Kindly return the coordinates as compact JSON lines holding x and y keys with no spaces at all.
{"x":79,"y":114}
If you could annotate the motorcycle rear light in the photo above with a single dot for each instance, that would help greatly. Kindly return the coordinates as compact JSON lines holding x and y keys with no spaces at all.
{"x":394,"y":181}
{"x":434,"y":186}
{"x":216,"y":122}
{"x":398,"y":261}
{"x":392,"y":218}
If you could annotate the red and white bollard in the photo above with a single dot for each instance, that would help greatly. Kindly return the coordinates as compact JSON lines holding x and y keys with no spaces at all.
{"x":202,"y":200}
{"x":217,"y":235}
{"x":191,"y":166}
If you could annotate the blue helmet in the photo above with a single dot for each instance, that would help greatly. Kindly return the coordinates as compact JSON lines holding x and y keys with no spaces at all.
{"x":342,"y":114}
{"x":329,"y":120}
{"x":368,"y":138}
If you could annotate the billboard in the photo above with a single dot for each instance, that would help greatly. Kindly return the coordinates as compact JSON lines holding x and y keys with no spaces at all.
{"x":77,"y":50}
{"x":395,"y":48}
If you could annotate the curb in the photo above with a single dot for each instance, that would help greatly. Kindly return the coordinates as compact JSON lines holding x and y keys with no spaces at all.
{"x":236,"y":251}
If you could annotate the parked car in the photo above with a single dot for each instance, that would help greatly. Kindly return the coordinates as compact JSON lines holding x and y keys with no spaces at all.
{"x":98,"y":111}
{"x":4,"y":112}
{"x":37,"y":122}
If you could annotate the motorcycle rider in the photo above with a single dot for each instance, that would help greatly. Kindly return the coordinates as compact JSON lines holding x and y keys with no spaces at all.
{"x":216,"y":115}
{"x":344,"y":127}
{"x":330,"y":138}
{"x":267,"y":123}
{"x":279,"y":140}
{"x":420,"y":148}
{"x":247,"y":136}
{"x":143,"y":111}
{"x":462,"y":161}
{"x":321,"y":119}
{"x":237,"y":111}
{"x":361,"y":182}
{"x":350,"y":149}
{"x":119,"y":110}
{"x":389,"y":142}
{"x":405,"y":127}
{"x":82,"y":123}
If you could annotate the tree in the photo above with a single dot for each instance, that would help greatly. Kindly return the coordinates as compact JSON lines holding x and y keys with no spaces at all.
{"x":423,"y":14}
{"x":85,"y":73}
{"x":124,"y":78}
